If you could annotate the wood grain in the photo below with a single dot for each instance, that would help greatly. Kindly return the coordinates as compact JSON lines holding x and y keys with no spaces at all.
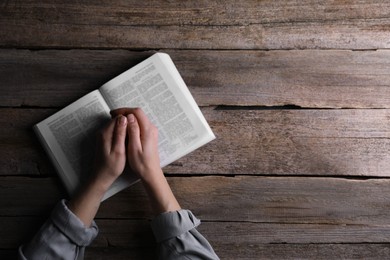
{"x":136,"y":234}
{"x":292,"y":173}
{"x":120,"y":233}
{"x":262,"y":251}
{"x":310,"y":78}
{"x":196,"y":25}
{"x":264,"y":200}
{"x":259,"y":251}
{"x":267,"y":142}
{"x":176,"y":12}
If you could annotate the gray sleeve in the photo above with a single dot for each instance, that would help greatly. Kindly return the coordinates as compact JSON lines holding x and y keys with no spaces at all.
{"x":178,"y":238}
{"x":62,"y":236}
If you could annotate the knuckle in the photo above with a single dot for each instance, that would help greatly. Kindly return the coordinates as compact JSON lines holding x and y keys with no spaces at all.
{"x":118,"y":152}
{"x":134,"y":128}
{"x":121,"y":134}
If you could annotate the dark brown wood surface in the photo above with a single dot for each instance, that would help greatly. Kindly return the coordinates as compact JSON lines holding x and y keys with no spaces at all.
{"x":309,"y":78}
{"x":278,"y":210}
{"x":297,"y":93}
{"x":324,"y":142}
{"x":196,"y":25}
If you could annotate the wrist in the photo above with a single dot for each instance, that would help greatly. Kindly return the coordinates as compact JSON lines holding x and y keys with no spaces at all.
{"x":95,"y":188}
{"x":87,"y":201}
{"x":102,"y":181}
{"x":152,"y":177}
{"x":160,"y":194}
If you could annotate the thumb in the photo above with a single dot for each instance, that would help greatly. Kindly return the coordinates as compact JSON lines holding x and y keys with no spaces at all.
{"x":133,"y":132}
{"x":119,"y":136}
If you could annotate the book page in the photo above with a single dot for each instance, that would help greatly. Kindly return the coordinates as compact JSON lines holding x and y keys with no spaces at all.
{"x":156,"y":86}
{"x":69,"y":136}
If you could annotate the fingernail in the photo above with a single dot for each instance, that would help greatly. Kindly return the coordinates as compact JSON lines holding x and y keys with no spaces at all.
{"x":131,"y":118}
{"x":122,"y":120}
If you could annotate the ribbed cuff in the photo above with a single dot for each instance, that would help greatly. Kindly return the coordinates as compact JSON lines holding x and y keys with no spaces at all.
{"x":72,"y":227}
{"x":172,"y":224}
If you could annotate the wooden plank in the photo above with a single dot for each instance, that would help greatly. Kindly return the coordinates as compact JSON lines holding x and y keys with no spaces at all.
{"x":273,"y":200}
{"x":267,"y":142}
{"x":243,"y":217}
{"x":119,"y":233}
{"x":136,"y":234}
{"x":133,"y":233}
{"x":263,"y":251}
{"x":293,"y":142}
{"x":310,"y":78}
{"x":39,"y":196}
{"x":160,"y":13}
{"x":197,"y":24}
{"x":21,"y":152}
{"x":59,"y":77}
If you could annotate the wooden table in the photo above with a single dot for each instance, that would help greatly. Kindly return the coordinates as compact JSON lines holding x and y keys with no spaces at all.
{"x":297,"y":93}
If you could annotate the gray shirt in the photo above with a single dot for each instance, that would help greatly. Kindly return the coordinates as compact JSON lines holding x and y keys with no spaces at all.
{"x":64,"y":236}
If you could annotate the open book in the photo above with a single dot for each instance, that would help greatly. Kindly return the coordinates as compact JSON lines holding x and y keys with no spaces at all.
{"x":156,"y":86}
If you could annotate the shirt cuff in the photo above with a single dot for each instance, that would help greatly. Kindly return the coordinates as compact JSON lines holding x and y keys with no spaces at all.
{"x":172,"y":224}
{"x":72,"y":227}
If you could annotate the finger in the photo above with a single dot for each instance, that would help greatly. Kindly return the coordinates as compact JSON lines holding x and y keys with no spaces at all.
{"x":121,"y":111}
{"x":106,"y":135}
{"x":133,"y":132}
{"x":119,"y":135}
{"x":144,"y":122}
{"x":150,"y":140}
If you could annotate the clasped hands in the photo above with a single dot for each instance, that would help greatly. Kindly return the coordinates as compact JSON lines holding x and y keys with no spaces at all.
{"x":141,"y":150}
{"x":112,"y":153}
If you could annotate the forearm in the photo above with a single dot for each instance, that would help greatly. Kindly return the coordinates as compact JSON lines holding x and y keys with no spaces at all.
{"x":110,"y":162}
{"x":87,"y":202}
{"x":160,"y":194}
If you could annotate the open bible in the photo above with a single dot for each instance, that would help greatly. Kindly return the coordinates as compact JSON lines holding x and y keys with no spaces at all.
{"x":156,"y":86}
